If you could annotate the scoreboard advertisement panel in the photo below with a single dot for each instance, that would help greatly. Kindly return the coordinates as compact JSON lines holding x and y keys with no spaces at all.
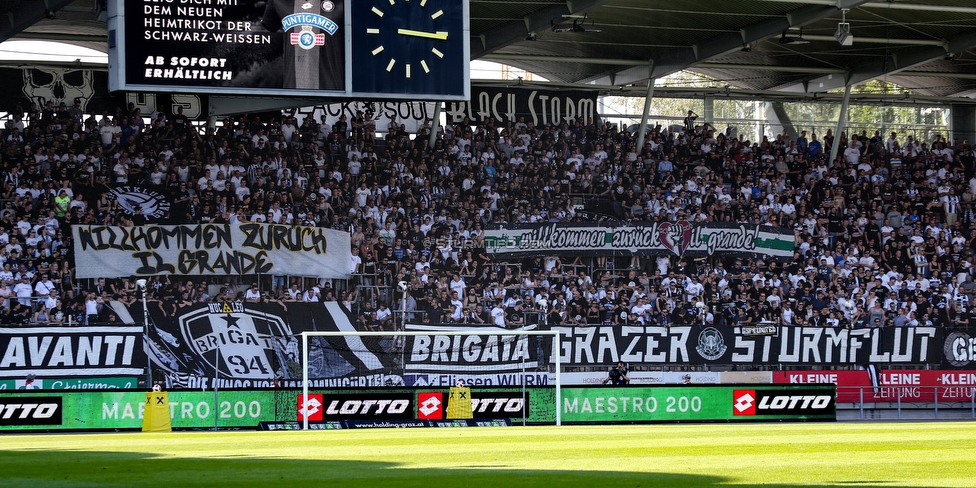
{"x":321,"y":48}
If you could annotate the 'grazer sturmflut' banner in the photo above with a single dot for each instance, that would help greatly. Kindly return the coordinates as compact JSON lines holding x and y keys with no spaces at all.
{"x":581,"y":346}
{"x":642,"y":238}
{"x":210,"y":249}
{"x":68,"y":352}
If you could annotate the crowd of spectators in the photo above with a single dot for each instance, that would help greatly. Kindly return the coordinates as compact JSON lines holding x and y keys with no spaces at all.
{"x":885,"y":232}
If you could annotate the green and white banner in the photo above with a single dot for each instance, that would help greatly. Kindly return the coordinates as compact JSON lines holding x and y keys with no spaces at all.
{"x":642,"y":238}
{"x":97,"y":383}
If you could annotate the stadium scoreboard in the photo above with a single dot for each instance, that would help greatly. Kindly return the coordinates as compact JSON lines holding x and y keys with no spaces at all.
{"x":362,"y":49}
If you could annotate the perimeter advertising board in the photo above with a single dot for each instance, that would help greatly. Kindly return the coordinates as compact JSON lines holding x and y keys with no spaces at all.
{"x":698,"y":403}
{"x":97,"y":410}
{"x":908,"y":385}
{"x":112,"y":410}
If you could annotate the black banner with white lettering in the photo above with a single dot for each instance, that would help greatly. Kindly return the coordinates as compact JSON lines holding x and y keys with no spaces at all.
{"x":258,"y":345}
{"x":443,"y":352}
{"x":539,"y":107}
{"x":730,"y":345}
{"x":68,"y":352}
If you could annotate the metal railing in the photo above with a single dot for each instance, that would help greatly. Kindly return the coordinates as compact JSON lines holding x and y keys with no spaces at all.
{"x":923,"y":401}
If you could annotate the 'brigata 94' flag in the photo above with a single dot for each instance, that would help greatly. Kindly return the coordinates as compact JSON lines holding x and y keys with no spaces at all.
{"x":210,"y":249}
{"x":642,"y":238}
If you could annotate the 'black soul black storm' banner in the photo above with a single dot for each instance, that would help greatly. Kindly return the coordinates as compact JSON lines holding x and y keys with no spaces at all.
{"x":539,"y":107}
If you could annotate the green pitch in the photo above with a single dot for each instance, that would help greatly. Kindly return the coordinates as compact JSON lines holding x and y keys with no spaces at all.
{"x":702,"y":455}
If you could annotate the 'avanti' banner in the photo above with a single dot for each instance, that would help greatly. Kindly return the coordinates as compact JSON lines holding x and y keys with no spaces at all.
{"x":210,"y":249}
{"x":67,"y":352}
{"x":642,"y":238}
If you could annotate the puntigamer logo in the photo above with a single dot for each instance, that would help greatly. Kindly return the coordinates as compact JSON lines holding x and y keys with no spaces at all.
{"x":30,"y":411}
{"x":782,"y":402}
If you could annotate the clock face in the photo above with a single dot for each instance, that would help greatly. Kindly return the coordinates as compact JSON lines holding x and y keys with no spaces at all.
{"x":410,"y":47}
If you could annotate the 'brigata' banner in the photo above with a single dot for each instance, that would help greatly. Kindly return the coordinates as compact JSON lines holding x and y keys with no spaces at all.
{"x":729,"y":345}
{"x":642,"y":238}
{"x":67,"y":352}
{"x":210,"y":249}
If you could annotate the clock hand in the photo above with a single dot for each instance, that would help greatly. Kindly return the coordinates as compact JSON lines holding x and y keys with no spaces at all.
{"x":439,"y":35}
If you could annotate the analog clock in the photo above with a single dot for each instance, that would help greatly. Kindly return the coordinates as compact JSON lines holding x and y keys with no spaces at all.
{"x":415,"y":47}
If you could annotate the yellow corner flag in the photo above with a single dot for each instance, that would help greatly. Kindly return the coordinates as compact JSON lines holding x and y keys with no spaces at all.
{"x":459,"y":404}
{"x":156,"y":416}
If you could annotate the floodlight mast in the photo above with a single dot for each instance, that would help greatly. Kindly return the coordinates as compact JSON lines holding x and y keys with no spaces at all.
{"x":141,"y":283}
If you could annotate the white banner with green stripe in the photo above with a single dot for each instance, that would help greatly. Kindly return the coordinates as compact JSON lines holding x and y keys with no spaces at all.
{"x":680,"y":238}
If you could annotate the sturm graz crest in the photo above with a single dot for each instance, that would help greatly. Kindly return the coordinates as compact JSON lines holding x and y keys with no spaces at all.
{"x":957,"y":349}
{"x":154,"y":205}
{"x":711,"y":344}
{"x":251,"y":344}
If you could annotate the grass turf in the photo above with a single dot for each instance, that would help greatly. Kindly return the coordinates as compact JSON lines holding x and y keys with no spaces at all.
{"x":924,"y":454}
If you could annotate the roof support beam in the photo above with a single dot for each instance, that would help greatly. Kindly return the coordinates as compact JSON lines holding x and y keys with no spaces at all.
{"x":516,"y":30}
{"x":895,"y":63}
{"x":933,"y":74}
{"x":61,"y":36}
{"x":918,"y":6}
{"x":680,"y":59}
{"x":561,"y":59}
{"x":766,"y":67}
{"x":647,"y":109}
{"x":727,"y":93}
{"x":841,"y":123}
{"x":30,"y":14}
{"x":880,"y":40}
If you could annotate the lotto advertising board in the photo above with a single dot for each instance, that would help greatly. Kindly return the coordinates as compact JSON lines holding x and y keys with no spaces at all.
{"x":532,"y":405}
{"x":698,"y":403}
{"x":908,"y":385}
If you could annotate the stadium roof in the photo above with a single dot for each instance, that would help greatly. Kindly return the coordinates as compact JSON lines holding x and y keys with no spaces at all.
{"x":770,"y":48}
